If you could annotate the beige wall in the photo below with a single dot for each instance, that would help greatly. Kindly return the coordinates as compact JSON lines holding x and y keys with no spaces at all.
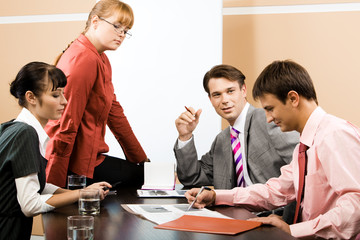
{"x":25,"y":42}
{"x":326,"y":44}
{"x":252,"y":3}
{"x":24,"y":7}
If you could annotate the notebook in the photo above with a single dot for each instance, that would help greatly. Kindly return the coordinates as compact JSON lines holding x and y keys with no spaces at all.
{"x":209,"y":225}
{"x":159,"y":175}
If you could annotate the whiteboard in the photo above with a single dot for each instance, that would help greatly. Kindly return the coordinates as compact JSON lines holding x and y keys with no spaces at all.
{"x":160,"y":69}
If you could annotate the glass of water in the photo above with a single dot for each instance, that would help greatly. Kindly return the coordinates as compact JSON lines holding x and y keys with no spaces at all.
{"x":76,"y":182}
{"x":89,"y":201}
{"x":80,"y":227}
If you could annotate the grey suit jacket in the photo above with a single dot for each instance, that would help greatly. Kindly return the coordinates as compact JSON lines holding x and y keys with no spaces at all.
{"x":266,"y":150}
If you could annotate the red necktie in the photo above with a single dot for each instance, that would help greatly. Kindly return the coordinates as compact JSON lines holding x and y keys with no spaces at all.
{"x":302,"y":166}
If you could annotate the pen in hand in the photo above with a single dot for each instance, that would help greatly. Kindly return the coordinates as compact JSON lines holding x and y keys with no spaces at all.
{"x":192,"y":204}
{"x":187,"y":109}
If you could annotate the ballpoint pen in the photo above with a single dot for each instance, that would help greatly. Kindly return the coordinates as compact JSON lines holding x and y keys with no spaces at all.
{"x":201,"y":189}
{"x":188,"y":110}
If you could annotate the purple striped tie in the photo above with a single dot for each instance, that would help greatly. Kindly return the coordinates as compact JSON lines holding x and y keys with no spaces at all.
{"x":236,"y":146}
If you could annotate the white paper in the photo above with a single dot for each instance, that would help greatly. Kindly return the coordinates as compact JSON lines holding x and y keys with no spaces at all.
{"x":159,"y":175}
{"x":160,"y":214}
{"x":161,"y":193}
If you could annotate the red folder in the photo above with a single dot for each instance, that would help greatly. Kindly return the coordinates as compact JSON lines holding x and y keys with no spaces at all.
{"x":209,"y":225}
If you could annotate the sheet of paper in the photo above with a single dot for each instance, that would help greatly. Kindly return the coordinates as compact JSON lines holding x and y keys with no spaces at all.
{"x":161,"y":193}
{"x":167,"y":212}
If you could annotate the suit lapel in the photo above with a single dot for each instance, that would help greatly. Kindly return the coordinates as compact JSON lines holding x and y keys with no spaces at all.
{"x":247,"y":127}
{"x":228,"y":158}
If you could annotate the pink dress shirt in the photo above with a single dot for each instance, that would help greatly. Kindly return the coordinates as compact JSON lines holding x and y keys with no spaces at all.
{"x":332,"y":184}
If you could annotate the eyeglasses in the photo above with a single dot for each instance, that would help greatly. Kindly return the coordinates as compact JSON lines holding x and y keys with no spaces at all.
{"x":118,"y":28}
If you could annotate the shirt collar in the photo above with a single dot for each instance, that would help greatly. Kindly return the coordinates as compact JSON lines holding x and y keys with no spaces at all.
{"x":86,"y":42}
{"x":308,"y":134}
{"x":240,"y":121}
{"x":27,"y":117}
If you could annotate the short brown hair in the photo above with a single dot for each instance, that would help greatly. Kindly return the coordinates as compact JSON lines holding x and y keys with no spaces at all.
{"x":223,"y":71}
{"x":281,"y":77}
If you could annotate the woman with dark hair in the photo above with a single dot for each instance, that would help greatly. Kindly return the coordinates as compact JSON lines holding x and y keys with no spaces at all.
{"x":77,"y":144}
{"x":39,"y":88}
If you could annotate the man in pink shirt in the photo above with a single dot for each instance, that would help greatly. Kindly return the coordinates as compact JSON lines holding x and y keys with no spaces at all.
{"x":329,"y":206}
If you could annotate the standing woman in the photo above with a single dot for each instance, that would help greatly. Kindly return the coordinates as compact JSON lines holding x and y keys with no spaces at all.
{"x":77,"y":143}
{"x":24,"y":192}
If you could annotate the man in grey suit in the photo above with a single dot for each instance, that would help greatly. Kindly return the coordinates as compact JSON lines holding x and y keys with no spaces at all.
{"x":264,"y":147}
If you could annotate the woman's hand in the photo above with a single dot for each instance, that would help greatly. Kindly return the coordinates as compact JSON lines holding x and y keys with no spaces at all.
{"x":103,"y":188}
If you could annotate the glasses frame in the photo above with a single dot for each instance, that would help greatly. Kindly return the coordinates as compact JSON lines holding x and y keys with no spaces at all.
{"x":118,"y":29}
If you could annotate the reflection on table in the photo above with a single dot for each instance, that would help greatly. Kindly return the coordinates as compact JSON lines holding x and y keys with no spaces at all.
{"x":116,"y":223}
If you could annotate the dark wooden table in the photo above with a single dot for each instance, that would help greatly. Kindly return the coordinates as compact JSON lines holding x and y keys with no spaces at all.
{"x":116,"y":223}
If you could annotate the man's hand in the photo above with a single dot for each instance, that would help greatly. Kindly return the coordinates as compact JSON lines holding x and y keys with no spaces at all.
{"x":274,"y":220}
{"x":206,"y":198}
{"x":187,"y":122}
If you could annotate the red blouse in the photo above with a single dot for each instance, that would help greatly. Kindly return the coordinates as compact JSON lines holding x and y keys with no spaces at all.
{"x":77,"y":139}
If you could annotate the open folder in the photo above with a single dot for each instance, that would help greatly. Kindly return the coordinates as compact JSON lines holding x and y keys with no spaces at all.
{"x":209,"y":225}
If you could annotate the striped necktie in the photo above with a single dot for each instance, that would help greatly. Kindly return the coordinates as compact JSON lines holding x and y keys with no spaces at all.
{"x":302,"y":158}
{"x":236,"y":146}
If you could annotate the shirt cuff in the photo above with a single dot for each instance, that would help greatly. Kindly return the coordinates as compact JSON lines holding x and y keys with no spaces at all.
{"x":182,"y":144}
{"x":225,"y":197}
{"x":46,"y":207}
{"x":301,"y":229}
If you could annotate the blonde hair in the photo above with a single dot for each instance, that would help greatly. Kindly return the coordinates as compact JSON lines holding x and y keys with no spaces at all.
{"x":107,"y":8}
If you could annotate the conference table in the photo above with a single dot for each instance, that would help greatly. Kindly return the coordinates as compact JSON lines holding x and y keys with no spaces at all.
{"x":114,"y":222}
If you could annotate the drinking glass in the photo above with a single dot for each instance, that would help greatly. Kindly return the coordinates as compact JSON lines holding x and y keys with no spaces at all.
{"x":76,"y":182}
{"x":89,"y":201}
{"x":80,"y":227}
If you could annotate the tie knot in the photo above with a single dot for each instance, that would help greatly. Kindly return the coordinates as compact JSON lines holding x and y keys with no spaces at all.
{"x":302,"y":147}
{"x":234,"y":132}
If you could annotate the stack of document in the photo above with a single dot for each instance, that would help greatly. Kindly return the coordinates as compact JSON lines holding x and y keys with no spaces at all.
{"x":177,"y":217}
{"x":167,"y":212}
